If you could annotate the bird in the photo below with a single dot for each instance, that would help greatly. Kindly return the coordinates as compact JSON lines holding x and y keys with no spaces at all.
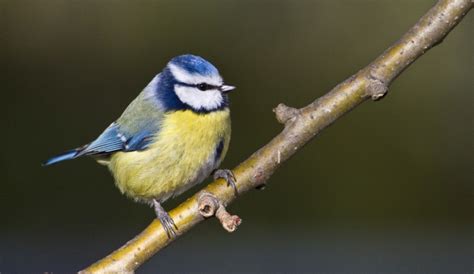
{"x":172,"y":136}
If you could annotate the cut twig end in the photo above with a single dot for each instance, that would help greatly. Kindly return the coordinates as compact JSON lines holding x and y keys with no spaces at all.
{"x":209,"y":205}
{"x":285,"y":113}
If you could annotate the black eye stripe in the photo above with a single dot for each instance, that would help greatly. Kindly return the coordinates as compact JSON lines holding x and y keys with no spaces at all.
{"x":200,"y":86}
{"x":204,"y":86}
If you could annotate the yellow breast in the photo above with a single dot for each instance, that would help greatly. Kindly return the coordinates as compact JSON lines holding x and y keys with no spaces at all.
{"x":182,"y":154}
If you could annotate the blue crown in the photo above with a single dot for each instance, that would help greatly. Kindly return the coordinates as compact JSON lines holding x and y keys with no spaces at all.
{"x":194,"y":64}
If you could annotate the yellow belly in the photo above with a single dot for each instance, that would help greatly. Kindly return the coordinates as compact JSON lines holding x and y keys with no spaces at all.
{"x":181,"y":155}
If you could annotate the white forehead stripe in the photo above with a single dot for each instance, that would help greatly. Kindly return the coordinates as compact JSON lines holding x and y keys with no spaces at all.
{"x":193,"y":78}
{"x":208,"y":100}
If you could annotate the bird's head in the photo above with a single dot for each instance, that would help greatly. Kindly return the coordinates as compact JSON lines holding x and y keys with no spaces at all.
{"x":190,"y":82}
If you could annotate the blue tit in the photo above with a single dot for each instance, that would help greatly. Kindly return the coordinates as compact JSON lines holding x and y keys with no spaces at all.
{"x":170,"y":138}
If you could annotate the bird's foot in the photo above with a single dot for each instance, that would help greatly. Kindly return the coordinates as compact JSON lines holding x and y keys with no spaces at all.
{"x":228,"y":176}
{"x":165,"y":220}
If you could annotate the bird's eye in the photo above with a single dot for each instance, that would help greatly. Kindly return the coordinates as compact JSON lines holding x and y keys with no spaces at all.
{"x":202,"y":86}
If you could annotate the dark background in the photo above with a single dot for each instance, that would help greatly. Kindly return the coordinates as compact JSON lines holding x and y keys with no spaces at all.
{"x":388,"y":188}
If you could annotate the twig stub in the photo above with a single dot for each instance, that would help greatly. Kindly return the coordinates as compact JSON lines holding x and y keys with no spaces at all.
{"x":210,"y":205}
{"x":229,"y":222}
{"x":285,"y":113}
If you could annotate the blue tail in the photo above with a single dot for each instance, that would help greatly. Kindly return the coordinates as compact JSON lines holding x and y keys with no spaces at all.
{"x":68,"y":155}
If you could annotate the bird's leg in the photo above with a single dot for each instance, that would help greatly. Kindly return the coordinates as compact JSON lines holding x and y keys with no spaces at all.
{"x":165,"y":220}
{"x":228,"y":176}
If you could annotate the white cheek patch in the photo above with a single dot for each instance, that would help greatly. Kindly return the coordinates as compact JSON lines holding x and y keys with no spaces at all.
{"x":208,"y":100}
{"x":191,"y":78}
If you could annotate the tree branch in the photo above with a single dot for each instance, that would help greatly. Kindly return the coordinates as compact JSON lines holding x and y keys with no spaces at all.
{"x":300,"y":126}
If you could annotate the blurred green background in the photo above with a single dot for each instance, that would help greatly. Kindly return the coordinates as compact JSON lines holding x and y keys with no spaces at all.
{"x":388,"y":188}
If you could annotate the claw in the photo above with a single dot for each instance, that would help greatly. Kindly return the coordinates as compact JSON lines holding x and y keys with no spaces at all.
{"x":228,"y":176}
{"x":261,"y":187}
{"x":165,"y":220}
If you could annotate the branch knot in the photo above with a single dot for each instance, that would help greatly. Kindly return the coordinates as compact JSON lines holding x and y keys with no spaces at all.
{"x":376,"y":88}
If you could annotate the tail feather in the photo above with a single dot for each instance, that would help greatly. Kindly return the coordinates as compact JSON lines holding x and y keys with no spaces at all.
{"x":68,"y":155}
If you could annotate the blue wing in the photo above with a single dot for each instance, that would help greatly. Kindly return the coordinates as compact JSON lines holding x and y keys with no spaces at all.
{"x":133,"y":131}
{"x":109,"y":141}
{"x":113,"y":139}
